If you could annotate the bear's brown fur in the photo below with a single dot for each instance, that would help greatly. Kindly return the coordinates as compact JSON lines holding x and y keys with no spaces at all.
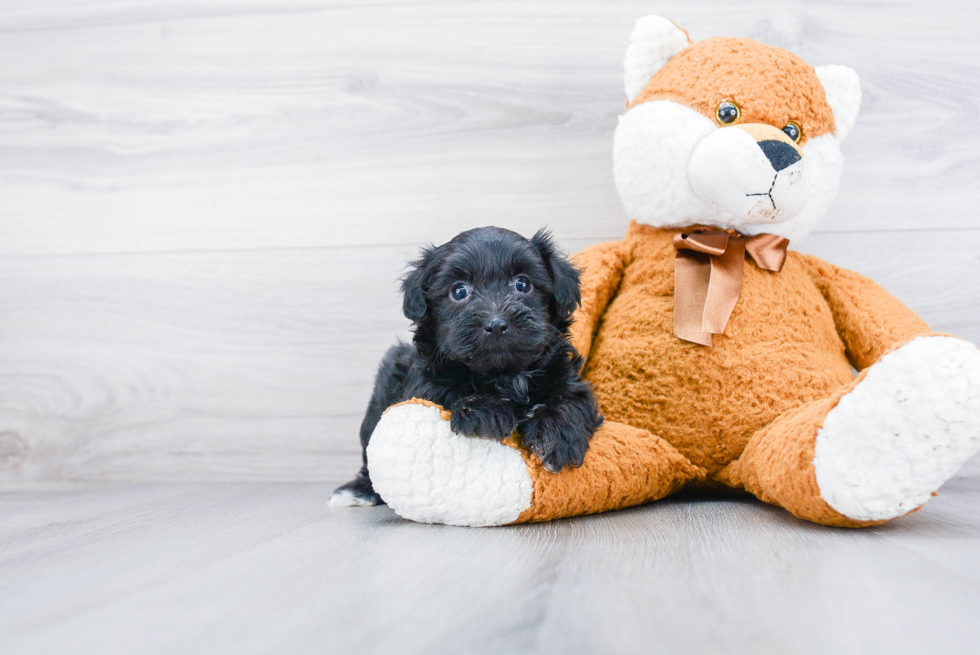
{"x":794,"y":334}
{"x":723,"y":68}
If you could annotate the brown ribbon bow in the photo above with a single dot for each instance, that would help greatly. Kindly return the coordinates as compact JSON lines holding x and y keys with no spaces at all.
{"x":708,"y":277}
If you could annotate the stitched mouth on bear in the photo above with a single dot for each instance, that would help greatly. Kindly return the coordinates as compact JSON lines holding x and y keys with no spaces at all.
{"x":769,"y":192}
{"x":753,"y":181}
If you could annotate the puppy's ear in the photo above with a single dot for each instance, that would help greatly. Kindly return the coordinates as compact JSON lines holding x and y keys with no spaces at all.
{"x":414,"y":285}
{"x":564,"y":276}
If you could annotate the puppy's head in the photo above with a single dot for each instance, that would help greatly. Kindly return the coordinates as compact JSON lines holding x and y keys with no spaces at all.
{"x":491,"y":299}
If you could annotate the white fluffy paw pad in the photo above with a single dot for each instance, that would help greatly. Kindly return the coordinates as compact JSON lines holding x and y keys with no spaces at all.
{"x":904,"y":430}
{"x":427,"y":473}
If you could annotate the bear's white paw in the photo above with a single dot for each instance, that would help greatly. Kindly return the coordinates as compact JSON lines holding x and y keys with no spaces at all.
{"x":903,"y":431}
{"x":427,"y":473}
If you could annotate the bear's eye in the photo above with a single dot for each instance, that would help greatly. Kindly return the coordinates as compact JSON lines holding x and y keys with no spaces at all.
{"x":727,"y":112}
{"x":793,"y":131}
{"x":523,"y":285}
{"x":459,"y":292}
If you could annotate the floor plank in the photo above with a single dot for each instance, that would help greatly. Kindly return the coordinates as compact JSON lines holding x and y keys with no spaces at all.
{"x":267,"y":567}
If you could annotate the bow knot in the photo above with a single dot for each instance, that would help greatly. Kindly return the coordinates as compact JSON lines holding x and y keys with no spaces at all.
{"x":708,"y":277}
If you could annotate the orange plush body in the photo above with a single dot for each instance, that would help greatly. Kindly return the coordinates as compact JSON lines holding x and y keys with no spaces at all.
{"x":735,"y":140}
{"x":779,"y":367}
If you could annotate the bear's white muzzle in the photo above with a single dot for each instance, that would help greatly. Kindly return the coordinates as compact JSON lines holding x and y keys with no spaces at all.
{"x":752,"y":172}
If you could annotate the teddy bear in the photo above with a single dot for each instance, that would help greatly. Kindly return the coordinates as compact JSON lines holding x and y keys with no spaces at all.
{"x":719,"y":355}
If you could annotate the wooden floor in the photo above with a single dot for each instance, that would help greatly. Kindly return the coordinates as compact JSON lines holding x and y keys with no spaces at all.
{"x":204,"y":209}
{"x":266,"y":567}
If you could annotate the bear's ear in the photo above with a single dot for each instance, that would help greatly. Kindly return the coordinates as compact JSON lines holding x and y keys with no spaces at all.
{"x":843,"y":90}
{"x":654,"y":41}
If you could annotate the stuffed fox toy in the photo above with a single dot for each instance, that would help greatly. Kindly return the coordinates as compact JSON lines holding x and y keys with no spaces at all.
{"x":718,"y":354}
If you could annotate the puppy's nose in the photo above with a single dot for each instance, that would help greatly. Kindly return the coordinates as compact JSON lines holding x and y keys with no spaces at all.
{"x":495,"y":326}
{"x":780,"y":155}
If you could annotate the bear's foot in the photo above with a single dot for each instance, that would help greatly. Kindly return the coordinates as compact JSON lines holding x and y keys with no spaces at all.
{"x":905,"y":429}
{"x":428,"y":473}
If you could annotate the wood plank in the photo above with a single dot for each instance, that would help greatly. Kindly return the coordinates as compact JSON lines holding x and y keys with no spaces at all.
{"x":185,"y":363}
{"x":264,"y":567}
{"x":153,"y":126}
{"x":923,"y":269}
{"x":258,"y":364}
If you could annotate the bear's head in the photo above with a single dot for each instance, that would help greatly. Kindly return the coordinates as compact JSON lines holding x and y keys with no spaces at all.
{"x":729,"y":132}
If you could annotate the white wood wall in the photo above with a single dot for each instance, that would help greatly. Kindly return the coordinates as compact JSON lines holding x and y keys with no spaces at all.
{"x":204,"y":206}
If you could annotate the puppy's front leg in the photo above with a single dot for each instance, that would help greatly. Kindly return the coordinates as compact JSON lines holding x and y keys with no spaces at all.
{"x":483,"y":415}
{"x":559,"y":433}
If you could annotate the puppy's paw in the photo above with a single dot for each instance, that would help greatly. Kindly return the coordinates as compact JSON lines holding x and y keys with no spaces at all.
{"x":359,"y":492}
{"x":558,"y":442}
{"x":483,"y":416}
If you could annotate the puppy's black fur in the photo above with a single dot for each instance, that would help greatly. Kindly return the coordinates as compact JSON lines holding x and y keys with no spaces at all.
{"x":490,"y":312}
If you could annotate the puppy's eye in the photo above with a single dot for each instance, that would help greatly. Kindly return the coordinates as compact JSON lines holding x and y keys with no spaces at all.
{"x":727,"y":112}
{"x":459,"y":292}
{"x":793,"y":131}
{"x":523,"y":285}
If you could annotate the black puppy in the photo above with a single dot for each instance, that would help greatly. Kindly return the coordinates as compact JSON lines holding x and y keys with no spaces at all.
{"x":490,"y":312}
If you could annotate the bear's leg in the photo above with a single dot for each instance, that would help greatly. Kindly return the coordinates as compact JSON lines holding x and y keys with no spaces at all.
{"x":427,"y":473}
{"x":878,"y":448}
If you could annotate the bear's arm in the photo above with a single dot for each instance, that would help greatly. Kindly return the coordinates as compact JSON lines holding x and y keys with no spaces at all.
{"x":601,"y":269}
{"x":870,"y":321}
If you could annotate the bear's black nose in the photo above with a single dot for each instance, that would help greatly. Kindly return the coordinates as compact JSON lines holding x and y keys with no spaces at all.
{"x":779,"y":154}
{"x":496,"y":326}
